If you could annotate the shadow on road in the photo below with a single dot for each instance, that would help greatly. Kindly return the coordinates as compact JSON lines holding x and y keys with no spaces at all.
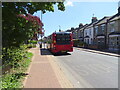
{"x":45,"y":52}
{"x":61,"y":54}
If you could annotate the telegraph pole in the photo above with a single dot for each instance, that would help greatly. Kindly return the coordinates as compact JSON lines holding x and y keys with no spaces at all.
{"x":41,"y":31}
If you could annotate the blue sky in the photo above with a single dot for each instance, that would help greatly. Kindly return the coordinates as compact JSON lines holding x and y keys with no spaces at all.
{"x":76,"y":13}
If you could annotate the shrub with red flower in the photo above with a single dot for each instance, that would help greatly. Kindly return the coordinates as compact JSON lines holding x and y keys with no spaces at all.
{"x":36,"y":23}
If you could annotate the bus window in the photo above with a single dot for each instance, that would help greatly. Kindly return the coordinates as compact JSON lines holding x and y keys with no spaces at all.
{"x":63,"y":39}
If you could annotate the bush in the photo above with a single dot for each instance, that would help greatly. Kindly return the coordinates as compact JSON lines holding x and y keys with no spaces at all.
{"x":75,"y":42}
{"x":78,"y":43}
{"x":32,"y":42}
{"x":13,"y":79}
{"x":31,"y":45}
{"x":81,"y":44}
{"x":49,"y":41}
{"x":10,"y":56}
{"x":10,"y":81}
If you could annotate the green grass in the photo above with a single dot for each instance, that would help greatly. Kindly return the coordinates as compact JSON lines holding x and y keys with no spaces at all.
{"x":15,"y":77}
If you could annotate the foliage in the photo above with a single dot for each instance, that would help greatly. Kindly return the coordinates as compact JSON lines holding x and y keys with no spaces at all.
{"x":17,"y":30}
{"x":10,"y":81}
{"x":78,"y":43}
{"x":75,"y":42}
{"x":16,"y":33}
{"x":31,"y":45}
{"x":13,"y":79}
{"x":13,"y":55}
{"x":32,"y":42}
{"x":27,"y":61}
{"x":81,"y":44}
{"x":49,"y":41}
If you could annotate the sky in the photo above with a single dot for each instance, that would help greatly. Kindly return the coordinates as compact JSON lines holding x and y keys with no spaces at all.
{"x":74,"y":14}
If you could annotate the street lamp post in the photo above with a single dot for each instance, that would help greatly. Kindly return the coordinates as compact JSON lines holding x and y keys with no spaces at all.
{"x":41,"y":32}
{"x":59,"y":28}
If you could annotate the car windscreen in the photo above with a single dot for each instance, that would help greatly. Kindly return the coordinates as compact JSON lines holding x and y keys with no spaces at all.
{"x":62,"y":39}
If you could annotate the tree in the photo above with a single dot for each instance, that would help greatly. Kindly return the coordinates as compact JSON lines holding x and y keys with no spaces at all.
{"x":37,"y":23}
{"x":15,"y":29}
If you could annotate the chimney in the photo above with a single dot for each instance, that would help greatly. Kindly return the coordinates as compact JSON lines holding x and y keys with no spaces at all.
{"x":94,"y":19}
{"x":119,"y":10}
{"x":60,"y":30}
{"x":80,"y":25}
{"x":72,"y":28}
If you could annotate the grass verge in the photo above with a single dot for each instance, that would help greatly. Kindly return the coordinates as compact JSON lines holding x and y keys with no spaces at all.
{"x":14,"y":78}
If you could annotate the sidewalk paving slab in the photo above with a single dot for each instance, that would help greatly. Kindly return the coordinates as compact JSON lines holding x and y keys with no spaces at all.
{"x":44,"y":73}
{"x":41,"y":74}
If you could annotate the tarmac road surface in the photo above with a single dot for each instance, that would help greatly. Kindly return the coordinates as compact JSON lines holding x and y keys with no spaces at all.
{"x":89,"y":70}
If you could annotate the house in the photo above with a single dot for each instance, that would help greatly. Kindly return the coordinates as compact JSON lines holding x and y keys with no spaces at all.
{"x":78,"y":31}
{"x":74,"y":32}
{"x":113,"y":32}
{"x":88,"y":32}
{"x":100,"y":32}
{"x":81,"y":32}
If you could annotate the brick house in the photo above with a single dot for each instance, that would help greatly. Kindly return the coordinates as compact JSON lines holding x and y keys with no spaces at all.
{"x":100,"y":32}
{"x":113,"y":32}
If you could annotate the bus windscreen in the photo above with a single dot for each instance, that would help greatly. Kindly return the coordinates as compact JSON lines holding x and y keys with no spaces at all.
{"x":62,"y":39}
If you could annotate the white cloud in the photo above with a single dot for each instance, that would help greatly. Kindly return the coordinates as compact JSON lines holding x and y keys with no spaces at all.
{"x":69,"y":3}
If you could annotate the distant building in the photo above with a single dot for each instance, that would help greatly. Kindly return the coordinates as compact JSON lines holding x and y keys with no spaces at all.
{"x":88,"y":32}
{"x":81,"y":33}
{"x":75,"y":33}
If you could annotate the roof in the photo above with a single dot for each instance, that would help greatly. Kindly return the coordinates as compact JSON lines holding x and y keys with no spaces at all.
{"x":114,"y":17}
{"x":68,"y":30}
{"x":86,"y":37}
{"x":84,"y":27}
{"x":103,"y":20}
{"x":114,"y":33}
{"x":101,"y":35}
{"x":91,"y":24}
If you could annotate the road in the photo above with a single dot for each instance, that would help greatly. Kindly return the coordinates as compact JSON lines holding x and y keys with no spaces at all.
{"x":89,"y":70}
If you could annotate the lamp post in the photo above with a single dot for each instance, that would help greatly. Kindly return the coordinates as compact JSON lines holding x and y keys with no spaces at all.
{"x":59,"y":28}
{"x":41,"y":32}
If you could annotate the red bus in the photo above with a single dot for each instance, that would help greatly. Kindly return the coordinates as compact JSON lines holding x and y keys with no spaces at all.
{"x":60,"y":42}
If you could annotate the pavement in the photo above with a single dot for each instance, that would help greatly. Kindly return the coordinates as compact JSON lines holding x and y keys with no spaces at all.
{"x":100,"y":52}
{"x":44,"y":72}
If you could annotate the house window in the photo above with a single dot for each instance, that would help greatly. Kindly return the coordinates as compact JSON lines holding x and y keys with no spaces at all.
{"x":103,"y":28}
{"x":117,"y":38}
{"x":88,"y":41}
{"x":96,"y":30}
{"x":90,"y":31}
{"x":91,"y":41}
{"x":112,"y":26}
{"x":118,"y":42}
{"x":112,"y":29}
